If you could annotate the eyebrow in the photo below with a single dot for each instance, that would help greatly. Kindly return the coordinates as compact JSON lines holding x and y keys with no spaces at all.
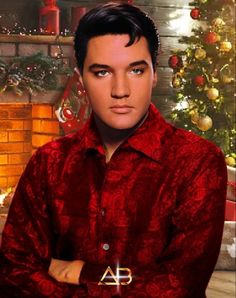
{"x":137,"y":63}
{"x":104,"y":66}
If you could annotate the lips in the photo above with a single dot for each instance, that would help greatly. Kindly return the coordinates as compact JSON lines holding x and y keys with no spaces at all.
{"x":121,"y":109}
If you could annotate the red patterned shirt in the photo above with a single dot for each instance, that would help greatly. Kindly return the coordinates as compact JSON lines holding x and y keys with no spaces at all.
{"x":157,"y":208}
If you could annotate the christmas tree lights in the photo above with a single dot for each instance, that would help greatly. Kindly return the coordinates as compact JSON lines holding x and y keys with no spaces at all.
{"x":204,"y":76}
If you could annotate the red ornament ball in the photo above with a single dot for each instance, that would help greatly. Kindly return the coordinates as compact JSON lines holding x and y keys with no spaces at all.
{"x":175,"y":61}
{"x":67,"y":113}
{"x":195,"y":13}
{"x":199,"y":80}
{"x":210,"y":38}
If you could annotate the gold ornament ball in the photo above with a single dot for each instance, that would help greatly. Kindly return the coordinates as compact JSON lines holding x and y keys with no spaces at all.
{"x":204,"y":123}
{"x":212,"y":93}
{"x":225,"y":46}
{"x":177,"y":80}
{"x":230,"y":161}
{"x":176,"y":83}
{"x":200,"y":54}
{"x":218,"y":22}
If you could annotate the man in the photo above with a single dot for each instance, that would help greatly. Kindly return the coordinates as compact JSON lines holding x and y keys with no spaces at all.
{"x":129,"y":194}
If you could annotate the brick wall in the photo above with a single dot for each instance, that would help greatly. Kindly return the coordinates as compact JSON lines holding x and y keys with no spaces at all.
{"x":17,"y":45}
{"x":15,"y":141}
{"x":23,"y":128}
{"x":45,"y":126}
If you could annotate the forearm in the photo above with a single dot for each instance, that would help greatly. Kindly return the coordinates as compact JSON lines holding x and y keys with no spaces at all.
{"x":27,"y":241}
{"x":66,"y":271}
{"x":22,"y":281}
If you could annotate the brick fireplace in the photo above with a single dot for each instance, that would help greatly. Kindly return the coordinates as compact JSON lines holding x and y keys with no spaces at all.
{"x":27,"y":122}
{"x":23,"y":128}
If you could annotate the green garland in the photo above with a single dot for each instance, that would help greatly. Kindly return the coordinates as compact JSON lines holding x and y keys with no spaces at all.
{"x":33,"y":74}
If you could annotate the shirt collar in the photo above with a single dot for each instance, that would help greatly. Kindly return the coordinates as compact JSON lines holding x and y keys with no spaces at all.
{"x":90,"y":136}
{"x":148,"y":138}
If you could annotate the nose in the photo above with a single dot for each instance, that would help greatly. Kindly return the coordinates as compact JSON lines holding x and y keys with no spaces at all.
{"x":120,"y":87}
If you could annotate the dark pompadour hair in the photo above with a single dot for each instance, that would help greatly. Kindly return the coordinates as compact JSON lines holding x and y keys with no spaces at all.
{"x":115,"y":18}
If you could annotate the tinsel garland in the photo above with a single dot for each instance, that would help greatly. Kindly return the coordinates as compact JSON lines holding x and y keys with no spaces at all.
{"x":33,"y":74}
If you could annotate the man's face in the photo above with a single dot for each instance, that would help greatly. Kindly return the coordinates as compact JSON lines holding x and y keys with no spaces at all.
{"x":118,"y":80}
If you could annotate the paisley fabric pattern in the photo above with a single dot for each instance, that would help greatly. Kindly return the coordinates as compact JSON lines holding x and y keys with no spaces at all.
{"x":157,"y":207}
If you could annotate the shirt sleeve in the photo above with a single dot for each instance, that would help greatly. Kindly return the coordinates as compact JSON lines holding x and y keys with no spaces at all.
{"x":186,"y":265}
{"x":27,"y":239}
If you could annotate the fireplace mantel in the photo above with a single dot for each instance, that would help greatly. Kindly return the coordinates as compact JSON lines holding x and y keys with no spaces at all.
{"x":17,"y":45}
{"x":36,"y":39}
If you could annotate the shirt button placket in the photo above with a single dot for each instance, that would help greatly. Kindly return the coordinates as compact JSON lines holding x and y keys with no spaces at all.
{"x":103,"y":212}
{"x":105,"y":246}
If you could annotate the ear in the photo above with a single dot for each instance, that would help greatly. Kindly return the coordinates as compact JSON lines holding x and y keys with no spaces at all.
{"x":154,"y":82}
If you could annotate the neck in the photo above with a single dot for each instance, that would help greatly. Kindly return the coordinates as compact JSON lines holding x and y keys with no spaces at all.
{"x":112,"y":138}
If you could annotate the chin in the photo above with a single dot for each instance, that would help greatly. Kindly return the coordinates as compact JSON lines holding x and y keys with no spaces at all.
{"x":122,"y":121}
{"x":123,"y":125}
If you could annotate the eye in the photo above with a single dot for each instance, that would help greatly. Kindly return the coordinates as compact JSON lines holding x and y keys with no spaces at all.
{"x":137,"y":71}
{"x":101,"y":73}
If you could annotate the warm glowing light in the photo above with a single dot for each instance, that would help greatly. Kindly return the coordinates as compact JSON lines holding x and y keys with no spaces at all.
{"x":4,"y":195}
{"x":182,"y":105}
{"x":2,"y":198}
{"x":180,"y":22}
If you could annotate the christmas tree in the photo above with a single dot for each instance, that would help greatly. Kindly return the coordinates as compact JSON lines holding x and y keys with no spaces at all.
{"x":203,"y":76}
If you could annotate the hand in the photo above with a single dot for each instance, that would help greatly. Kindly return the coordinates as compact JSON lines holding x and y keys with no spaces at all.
{"x":66,"y":271}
